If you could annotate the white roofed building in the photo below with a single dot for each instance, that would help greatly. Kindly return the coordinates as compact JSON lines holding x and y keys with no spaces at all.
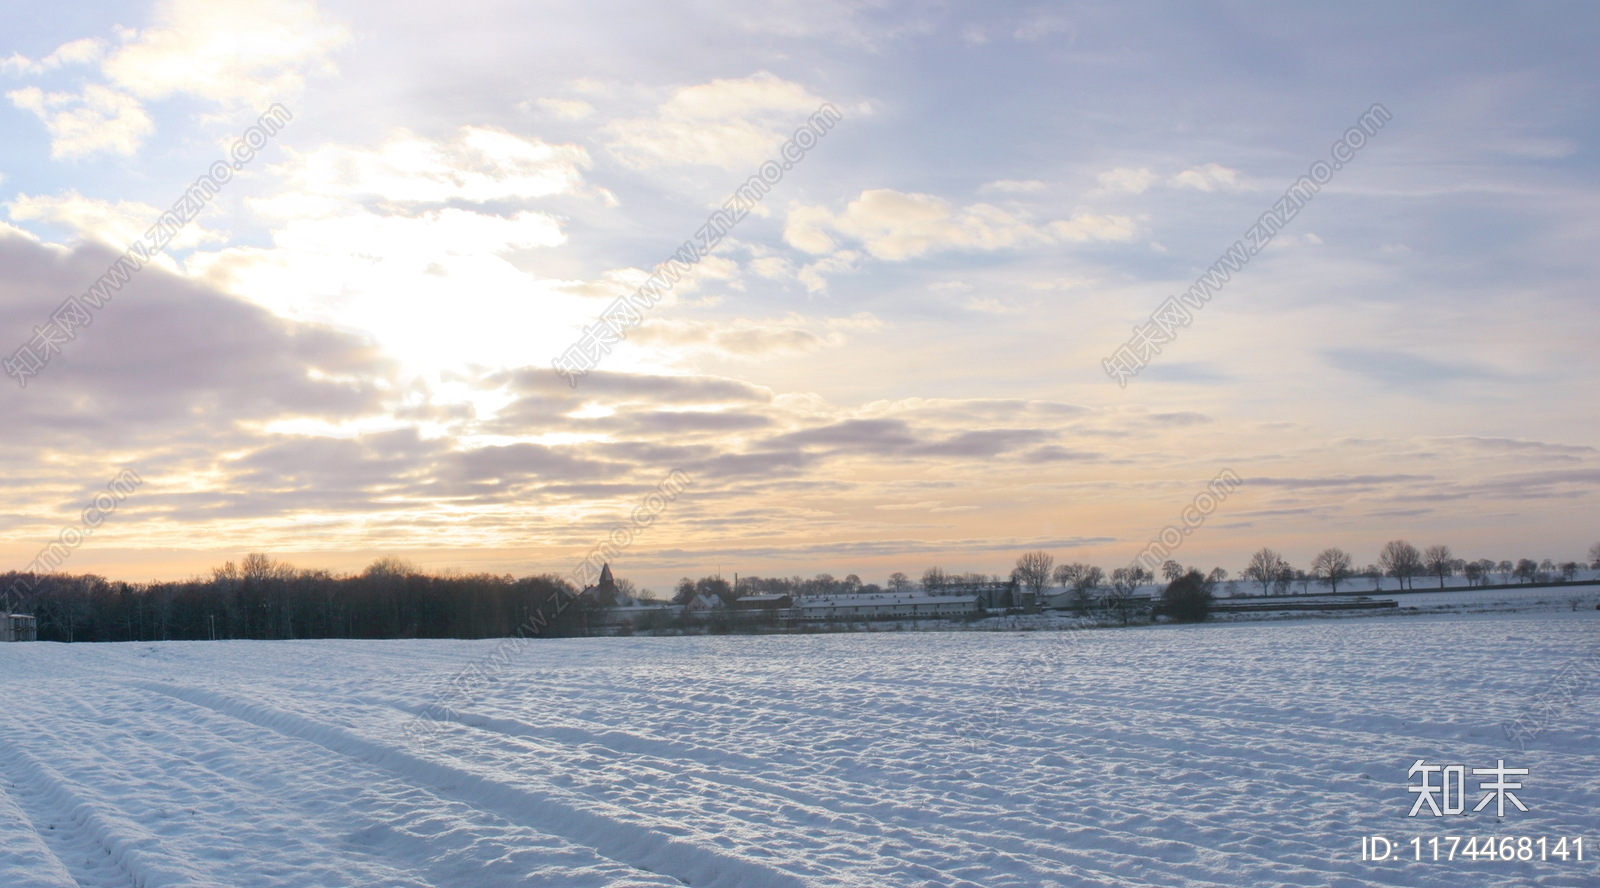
{"x":889,"y":606}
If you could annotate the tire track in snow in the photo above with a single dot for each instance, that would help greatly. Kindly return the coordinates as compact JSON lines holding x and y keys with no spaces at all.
{"x":26,"y":861}
{"x":115,"y":850}
{"x":612,"y":831}
{"x":1060,"y":850}
{"x":409,"y":835}
{"x":207,"y":775}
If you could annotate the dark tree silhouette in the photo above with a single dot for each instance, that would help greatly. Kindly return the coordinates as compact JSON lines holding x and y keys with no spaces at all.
{"x":1187,"y":599}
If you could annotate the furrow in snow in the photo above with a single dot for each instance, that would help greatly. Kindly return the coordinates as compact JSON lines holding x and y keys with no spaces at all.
{"x":25,"y":860}
{"x":91,"y":830}
{"x":614,"y":832}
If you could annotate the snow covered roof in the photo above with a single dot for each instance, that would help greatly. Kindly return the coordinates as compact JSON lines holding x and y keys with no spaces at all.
{"x":888,"y":600}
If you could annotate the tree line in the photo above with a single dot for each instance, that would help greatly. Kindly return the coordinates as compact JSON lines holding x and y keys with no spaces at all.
{"x":265,"y":599}
{"x":269,"y":600}
{"x":1404,"y":563}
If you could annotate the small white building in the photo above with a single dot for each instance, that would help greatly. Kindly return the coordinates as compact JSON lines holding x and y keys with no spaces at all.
{"x":892,"y":606}
{"x":703,"y":603}
{"x":18,"y":627}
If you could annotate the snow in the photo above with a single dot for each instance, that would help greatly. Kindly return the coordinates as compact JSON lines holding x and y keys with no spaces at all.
{"x":1250,"y":753}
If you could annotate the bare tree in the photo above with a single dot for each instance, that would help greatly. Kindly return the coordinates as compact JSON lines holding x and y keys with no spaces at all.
{"x":1033,"y":571}
{"x":1285,"y":577}
{"x":1505,"y":569}
{"x":1331,"y":566}
{"x":1171,"y":570}
{"x":1473,"y":570}
{"x":1086,"y":580}
{"x":1486,"y":569}
{"x":1375,"y":574}
{"x":1264,"y":568}
{"x":684,"y":592}
{"x":1401,"y":560}
{"x":899,"y":582}
{"x":1527,"y":570}
{"x":1594,"y":556}
{"x":1118,"y":596}
{"x":1065,"y":574}
{"x":1216,"y":576}
{"x":1439,"y":561}
{"x":933,"y":579}
{"x":387,"y":566}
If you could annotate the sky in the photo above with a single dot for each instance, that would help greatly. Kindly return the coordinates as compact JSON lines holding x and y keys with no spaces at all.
{"x":894,"y":361}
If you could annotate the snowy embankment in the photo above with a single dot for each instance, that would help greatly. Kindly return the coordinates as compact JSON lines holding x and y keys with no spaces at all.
{"x":1225,"y":755}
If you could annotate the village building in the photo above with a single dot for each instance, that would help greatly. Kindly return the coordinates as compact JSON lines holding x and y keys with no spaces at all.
{"x":605,"y":592}
{"x":763,"y":602}
{"x":18,"y":627}
{"x":703,"y":603}
{"x":889,"y":606}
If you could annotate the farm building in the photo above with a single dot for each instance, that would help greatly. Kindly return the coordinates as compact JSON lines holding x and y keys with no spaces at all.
{"x":705,"y":603}
{"x":763,"y":602}
{"x":18,"y":627}
{"x":878,"y":607}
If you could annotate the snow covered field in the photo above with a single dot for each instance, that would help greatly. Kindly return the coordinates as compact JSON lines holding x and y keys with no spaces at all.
{"x":1237,"y":754}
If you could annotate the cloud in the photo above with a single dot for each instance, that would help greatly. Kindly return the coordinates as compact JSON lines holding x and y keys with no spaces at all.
{"x":385,"y":239}
{"x":476,"y":164}
{"x":113,"y":224}
{"x":772,"y":267}
{"x":1124,"y":180}
{"x":1209,"y":177}
{"x":733,"y":124}
{"x":742,"y":338}
{"x":567,"y":109}
{"x":234,"y":52}
{"x":97,"y":120}
{"x":629,"y":388}
{"x":1398,"y":369}
{"x":76,"y":52}
{"x":1040,"y":26}
{"x":896,"y":226}
{"x":811,"y":274}
{"x":168,"y":356}
{"x":1085,"y":226}
{"x":434,"y":286}
{"x":237,"y":53}
{"x":806,"y":229}
{"x":1013,"y":186}
{"x":989,"y":305}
